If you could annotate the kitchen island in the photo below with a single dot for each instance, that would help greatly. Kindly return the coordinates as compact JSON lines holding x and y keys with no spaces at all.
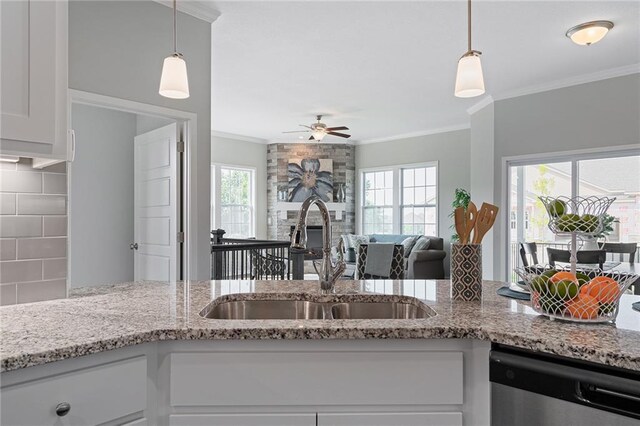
{"x":193,"y":370}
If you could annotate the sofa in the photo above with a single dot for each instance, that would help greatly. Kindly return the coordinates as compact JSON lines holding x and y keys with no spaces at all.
{"x":420,"y":264}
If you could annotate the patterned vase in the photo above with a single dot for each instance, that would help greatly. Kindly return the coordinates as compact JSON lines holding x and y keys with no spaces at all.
{"x":466,"y":272}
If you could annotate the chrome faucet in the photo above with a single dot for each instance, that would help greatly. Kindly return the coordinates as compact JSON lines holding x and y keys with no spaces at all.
{"x":329,"y":273}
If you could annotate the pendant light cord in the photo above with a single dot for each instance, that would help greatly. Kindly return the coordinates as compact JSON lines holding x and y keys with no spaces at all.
{"x":468,"y":25}
{"x":175,"y":30}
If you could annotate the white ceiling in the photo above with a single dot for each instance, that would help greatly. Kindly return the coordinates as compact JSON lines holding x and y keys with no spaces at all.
{"x":387,"y":68}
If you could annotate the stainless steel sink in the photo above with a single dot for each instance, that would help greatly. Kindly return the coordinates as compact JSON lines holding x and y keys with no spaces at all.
{"x":338,"y":307}
{"x":266,"y":309}
{"x":379,"y":310}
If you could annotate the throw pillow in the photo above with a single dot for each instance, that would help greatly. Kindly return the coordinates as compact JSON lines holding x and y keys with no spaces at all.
{"x":422,"y":244}
{"x":408,"y":244}
{"x":356,"y":240}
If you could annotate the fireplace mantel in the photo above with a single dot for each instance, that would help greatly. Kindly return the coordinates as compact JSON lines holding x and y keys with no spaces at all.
{"x":339,"y":208}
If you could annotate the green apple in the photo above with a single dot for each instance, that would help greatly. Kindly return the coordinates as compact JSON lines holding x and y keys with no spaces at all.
{"x":582,"y":278}
{"x":588,"y":223}
{"x":557,"y":208}
{"x":539,"y":284}
{"x":564,"y":290}
{"x":549,"y":273}
{"x":549,"y":305}
{"x":568,"y":222}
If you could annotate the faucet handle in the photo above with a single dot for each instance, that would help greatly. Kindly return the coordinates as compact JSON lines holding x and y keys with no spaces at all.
{"x":338,"y":270}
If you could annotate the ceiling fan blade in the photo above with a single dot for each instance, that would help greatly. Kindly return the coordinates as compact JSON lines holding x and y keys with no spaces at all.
{"x":297,"y":131}
{"x":342,"y":135}
{"x":331,"y":129}
{"x":304,"y":125}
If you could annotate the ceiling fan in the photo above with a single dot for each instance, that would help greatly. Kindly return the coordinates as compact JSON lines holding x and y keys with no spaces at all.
{"x":320,"y":130}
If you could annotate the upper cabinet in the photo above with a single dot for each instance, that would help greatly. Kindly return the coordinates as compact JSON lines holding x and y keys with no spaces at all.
{"x":34,"y":55}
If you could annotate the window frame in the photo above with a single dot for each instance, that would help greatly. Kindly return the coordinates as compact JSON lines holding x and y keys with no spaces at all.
{"x":397,"y":188}
{"x":216,"y":206}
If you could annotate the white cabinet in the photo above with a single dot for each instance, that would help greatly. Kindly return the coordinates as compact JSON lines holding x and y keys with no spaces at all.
{"x":390,"y":419}
{"x":253,"y":419}
{"x":34,"y":52}
{"x":93,"y":395}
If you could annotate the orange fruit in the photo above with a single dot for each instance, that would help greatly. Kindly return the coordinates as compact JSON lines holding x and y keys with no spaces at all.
{"x":563,"y":275}
{"x":583,"y":307}
{"x":603,"y":289}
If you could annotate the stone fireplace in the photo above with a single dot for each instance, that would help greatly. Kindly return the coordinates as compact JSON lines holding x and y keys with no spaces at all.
{"x":282,"y":215}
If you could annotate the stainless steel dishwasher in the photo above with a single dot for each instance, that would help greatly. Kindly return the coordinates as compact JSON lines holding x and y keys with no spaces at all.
{"x":529,"y":388}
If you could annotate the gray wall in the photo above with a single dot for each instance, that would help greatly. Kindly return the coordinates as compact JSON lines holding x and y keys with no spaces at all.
{"x":598,"y":115}
{"x":101,"y":197}
{"x":482,"y":170}
{"x":451,"y":150}
{"x":116,"y":48}
{"x":235,"y":152}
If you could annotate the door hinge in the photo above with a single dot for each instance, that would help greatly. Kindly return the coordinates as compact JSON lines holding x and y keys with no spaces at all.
{"x":180,"y":146}
{"x":181,"y":237}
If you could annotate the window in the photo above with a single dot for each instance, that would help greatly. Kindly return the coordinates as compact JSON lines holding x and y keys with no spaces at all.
{"x":400,"y":200}
{"x":418,"y":205}
{"x":377,"y":212}
{"x":233,"y":201}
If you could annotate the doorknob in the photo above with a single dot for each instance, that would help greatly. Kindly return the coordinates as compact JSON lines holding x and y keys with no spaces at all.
{"x":133,"y":246}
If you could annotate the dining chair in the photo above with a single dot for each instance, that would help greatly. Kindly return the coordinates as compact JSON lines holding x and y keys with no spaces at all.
{"x":622,"y":249}
{"x":528,"y":249}
{"x":584,"y":256}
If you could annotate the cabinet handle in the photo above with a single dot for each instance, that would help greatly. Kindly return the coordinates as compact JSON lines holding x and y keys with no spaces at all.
{"x":63,"y":409}
{"x":133,"y":246}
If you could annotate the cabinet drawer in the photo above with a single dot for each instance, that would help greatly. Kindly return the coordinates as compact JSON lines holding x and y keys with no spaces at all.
{"x":390,"y":419}
{"x":257,"y":419}
{"x":96,"y":395}
{"x":316,"y":378}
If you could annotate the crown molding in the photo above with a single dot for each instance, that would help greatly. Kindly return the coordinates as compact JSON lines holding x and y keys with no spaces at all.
{"x":216,"y":133}
{"x":453,"y":128}
{"x":487,"y":100}
{"x":571,"y":81}
{"x":197,"y":8}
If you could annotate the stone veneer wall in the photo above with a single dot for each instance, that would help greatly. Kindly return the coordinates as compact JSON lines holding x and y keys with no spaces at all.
{"x":344,"y":169}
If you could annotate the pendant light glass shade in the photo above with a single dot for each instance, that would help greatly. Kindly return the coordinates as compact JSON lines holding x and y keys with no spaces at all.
{"x":174,"y":82}
{"x":469,"y":78}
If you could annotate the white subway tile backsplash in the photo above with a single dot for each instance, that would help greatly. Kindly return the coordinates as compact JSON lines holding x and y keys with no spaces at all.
{"x":20,"y":270}
{"x":20,"y":226}
{"x":7,"y":249}
{"x":8,"y":294}
{"x":14,"y":181}
{"x":54,"y":269}
{"x":42,"y":204}
{"x":54,"y":183}
{"x":7,"y":204}
{"x":41,"y":290}
{"x":54,"y":226}
{"x":41,"y":248}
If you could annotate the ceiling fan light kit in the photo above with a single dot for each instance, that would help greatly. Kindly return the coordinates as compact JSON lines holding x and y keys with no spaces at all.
{"x":469,"y":77}
{"x":174,"y":82}
{"x":589,"y":33}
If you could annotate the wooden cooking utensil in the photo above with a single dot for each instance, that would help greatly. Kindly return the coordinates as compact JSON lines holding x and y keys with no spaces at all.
{"x":486,"y":219}
{"x":459,"y":219}
{"x":471,"y":217}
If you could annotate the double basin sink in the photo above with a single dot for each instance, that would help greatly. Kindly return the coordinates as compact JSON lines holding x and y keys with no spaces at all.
{"x":334,"y":307}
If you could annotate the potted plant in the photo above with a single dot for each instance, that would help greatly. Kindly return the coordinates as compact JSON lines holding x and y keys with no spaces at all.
{"x":591,"y":243}
{"x":461,"y":198}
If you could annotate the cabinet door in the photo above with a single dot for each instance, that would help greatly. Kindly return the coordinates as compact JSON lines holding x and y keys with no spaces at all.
{"x":389,"y":419}
{"x":255,"y":419}
{"x":33,"y":51}
{"x":94,"y":395}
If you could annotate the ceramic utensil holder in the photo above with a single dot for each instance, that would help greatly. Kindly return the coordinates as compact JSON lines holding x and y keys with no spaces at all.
{"x":466,"y":272}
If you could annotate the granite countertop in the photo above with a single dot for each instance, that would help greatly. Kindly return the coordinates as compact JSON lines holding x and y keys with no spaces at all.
{"x":108,"y":317}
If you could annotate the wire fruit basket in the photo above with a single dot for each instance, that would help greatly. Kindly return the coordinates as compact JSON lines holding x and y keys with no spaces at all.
{"x":586,"y":296}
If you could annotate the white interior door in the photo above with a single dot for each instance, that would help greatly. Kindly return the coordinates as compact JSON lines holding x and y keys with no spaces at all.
{"x":156,"y":205}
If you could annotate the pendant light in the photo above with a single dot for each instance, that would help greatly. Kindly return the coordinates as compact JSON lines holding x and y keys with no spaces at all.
{"x":469,"y":79}
{"x":174,"y":83}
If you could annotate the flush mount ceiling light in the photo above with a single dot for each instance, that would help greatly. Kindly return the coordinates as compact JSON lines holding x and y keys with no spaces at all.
{"x":469,"y":78}
{"x":589,"y":33}
{"x":174,"y":83}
